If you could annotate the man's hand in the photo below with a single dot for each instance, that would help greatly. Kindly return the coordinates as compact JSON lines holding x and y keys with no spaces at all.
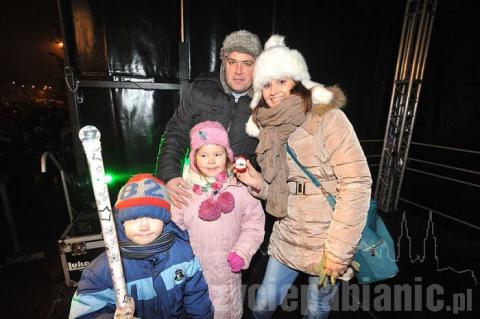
{"x":250,"y":177}
{"x":127,"y":310}
{"x":177,"y":191}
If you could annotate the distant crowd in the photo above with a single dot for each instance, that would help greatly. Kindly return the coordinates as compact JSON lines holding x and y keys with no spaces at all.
{"x":27,"y":129}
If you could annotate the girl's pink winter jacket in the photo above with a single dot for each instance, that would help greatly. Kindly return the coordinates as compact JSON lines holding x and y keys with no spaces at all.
{"x":242,"y":231}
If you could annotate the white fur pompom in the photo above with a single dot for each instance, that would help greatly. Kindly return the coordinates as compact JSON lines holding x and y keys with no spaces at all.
{"x":255,"y":99}
{"x":251,"y":128}
{"x":275,"y":41}
{"x":320,"y":95}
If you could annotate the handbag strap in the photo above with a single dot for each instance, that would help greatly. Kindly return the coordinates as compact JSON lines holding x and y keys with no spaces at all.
{"x":330,"y":198}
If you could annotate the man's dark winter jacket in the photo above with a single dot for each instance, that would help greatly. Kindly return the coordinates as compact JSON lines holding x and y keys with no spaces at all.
{"x":204,"y":101}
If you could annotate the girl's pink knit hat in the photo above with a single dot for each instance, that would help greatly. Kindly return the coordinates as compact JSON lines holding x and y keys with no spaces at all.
{"x":205,"y":133}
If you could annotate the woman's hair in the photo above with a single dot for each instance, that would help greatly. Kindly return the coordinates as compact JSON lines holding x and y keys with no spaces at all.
{"x":299,"y":90}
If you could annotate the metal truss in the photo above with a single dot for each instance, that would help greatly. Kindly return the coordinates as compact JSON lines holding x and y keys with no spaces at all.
{"x":407,"y":84}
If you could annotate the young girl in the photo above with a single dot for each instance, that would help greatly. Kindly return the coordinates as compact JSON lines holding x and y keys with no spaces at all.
{"x":225,"y":223}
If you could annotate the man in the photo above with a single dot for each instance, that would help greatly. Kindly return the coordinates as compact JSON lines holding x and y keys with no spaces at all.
{"x":224,"y":98}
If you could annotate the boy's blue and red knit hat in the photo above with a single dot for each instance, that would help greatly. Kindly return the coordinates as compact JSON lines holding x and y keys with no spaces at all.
{"x":142,"y":196}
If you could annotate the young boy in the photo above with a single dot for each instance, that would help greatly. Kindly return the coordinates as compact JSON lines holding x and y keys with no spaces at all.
{"x":163,"y":276}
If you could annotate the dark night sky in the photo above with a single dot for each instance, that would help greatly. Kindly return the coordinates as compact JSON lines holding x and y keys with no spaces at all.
{"x":26,"y":28}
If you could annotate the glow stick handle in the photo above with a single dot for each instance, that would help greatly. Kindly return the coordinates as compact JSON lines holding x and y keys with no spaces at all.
{"x":90,"y":137}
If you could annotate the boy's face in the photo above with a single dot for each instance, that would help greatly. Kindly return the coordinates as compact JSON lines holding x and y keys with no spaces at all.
{"x":144,"y":230}
{"x":211,"y":159}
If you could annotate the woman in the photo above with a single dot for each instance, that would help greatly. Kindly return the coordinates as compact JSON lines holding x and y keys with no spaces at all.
{"x":290,"y":109}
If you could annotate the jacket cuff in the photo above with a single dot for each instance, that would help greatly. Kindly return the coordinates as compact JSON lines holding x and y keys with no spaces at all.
{"x":261,"y":193}
{"x":335,"y":258}
{"x":167,"y":177}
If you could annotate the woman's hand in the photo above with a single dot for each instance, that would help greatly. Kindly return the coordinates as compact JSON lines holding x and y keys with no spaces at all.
{"x":327,"y":270}
{"x":334,"y":268}
{"x":251,"y":177}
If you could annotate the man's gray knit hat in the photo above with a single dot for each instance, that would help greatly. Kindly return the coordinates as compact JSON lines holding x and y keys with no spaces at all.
{"x":241,"y":41}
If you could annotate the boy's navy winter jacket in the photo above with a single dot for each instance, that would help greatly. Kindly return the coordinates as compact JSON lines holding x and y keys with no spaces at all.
{"x":167,"y":285}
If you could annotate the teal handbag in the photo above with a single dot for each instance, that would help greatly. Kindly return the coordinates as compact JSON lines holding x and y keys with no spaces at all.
{"x":376,"y":249}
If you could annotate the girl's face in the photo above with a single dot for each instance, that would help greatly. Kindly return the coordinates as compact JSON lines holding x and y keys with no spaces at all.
{"x":211,"y":159}
{"x":276,"y":91}
{"x":143,"y":230}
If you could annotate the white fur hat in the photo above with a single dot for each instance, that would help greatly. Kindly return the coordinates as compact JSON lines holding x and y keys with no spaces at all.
{"x":278,"y":61}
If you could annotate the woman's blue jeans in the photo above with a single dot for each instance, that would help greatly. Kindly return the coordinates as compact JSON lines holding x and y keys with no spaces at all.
{"x":276,"y":282}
